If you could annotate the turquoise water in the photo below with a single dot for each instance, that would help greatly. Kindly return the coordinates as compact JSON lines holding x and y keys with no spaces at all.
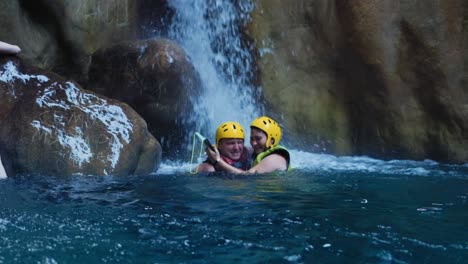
{"x":353,"y":210}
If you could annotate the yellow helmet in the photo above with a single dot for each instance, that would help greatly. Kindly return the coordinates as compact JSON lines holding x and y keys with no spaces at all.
{"x":271,"y":129}
{"x":229,"y":130}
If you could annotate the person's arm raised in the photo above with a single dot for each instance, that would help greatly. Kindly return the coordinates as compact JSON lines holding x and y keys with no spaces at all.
{"x":6,"y":48}
{"x":3,"y":174}
{"x":205,"y":167}
{"x":215,"y":158}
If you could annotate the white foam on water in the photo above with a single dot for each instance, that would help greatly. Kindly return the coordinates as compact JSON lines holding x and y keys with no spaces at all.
{"x":313,"y":162}
{"x":324,"y":162}
{"x":3,"y":224}
{"x":424,"y":244}
{"x":175,"y":167}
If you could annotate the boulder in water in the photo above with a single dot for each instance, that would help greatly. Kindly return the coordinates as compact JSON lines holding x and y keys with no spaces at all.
{"x":156,"y":78}
{"x":51,"y":126}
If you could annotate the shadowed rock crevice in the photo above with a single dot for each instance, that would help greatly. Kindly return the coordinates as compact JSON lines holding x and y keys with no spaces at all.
{"x":431,"y":87}
{"x":154,"y":18}
{"x":51,"y":16}
{"x":443,"y":122}
{"x":366,"y":98}
{"x":364,"y":90}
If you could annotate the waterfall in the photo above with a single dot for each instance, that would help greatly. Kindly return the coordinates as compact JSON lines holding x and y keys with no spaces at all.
{"x":209,"y":31}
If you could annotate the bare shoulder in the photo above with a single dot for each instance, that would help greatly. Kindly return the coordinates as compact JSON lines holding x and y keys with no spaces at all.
{"x":272,"y":163}
{"x":205,"y":167}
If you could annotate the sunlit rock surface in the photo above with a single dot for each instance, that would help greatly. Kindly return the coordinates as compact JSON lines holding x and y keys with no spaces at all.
{"x":51,"y":126}
{"x":379,"y":78}
{"x":156,"y":78}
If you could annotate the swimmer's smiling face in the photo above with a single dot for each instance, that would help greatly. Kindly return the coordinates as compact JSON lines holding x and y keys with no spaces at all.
{"x":258,"y":140}
{"x":231,"y":148}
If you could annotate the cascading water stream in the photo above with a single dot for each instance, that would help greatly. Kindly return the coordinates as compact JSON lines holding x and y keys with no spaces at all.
{"x":209,"y":33}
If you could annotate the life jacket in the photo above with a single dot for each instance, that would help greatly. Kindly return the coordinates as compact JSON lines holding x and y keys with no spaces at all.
{"x":278,"y":149}
{"x":244,"y":163}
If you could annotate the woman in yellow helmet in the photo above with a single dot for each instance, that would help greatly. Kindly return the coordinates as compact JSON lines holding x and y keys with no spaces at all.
{"x":230,"y":138}
{"x":268,"y":155}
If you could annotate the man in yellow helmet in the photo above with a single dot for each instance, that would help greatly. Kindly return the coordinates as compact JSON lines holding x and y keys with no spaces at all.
{"x":268,"y":154}
{"x":230,"y":143}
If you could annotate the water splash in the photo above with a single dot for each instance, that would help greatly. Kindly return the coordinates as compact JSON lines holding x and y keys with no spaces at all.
{"x":335,"y":164}
{"x":209,"y":31}
{"x":325,"y":163}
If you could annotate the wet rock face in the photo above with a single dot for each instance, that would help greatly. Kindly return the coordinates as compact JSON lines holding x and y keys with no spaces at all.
{"x":52,"y":126}
{"x":60,"y":35}
{"x":156,"y":78}
{"x":379,"y":78}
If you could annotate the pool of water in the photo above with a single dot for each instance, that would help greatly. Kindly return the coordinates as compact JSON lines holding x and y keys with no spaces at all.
{"x":351,"y":212}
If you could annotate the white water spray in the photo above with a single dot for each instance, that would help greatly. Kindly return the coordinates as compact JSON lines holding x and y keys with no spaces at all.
{"x":209,"y":33}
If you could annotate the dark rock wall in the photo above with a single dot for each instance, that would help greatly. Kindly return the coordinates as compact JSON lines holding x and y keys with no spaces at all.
{"x":61,"y":35}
